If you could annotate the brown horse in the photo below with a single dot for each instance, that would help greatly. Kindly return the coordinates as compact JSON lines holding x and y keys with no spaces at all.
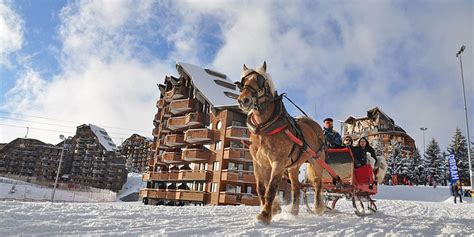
{"x":272,"y":150}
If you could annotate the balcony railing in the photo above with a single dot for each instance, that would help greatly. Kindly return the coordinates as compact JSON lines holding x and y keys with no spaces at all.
{"x":172,"y":157}
{"x":173,"y":140}
{"x":197,"y":155}
{"x":238,"y":176}
{"x":161,"y":103}
{"x":189,"y":120}
{"x":201,"y":135}
{"x":181,"y":106}
{"x":153,"y":193}
{"x":238,"y":198}
{"x":237,"y":133}
{"x":177,"y":92}
{"x":196,"y":196}
{"x":237,"y":154}
{"x":193,"y":175}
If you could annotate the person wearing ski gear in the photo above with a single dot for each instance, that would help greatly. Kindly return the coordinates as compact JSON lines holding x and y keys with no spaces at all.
{"x":333,"y":139}
{"x":366,"y":148}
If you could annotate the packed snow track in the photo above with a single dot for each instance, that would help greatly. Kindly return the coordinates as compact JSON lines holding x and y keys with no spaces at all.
{"x":393,"y":217}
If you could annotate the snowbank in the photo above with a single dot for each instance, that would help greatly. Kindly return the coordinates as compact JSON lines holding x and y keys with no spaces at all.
{"x":133,"y":185}
{"x":18,"y":190}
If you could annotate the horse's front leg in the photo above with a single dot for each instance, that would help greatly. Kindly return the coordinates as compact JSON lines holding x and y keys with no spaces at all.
{"x":295,"y":190}
{"x":319,"y":206}
{"x":266,"y":215}
{"x":261,"y":179}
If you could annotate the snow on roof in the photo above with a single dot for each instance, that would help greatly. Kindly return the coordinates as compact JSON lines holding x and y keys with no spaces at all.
{"x":103,"y":137}
{"x":208,"y":85}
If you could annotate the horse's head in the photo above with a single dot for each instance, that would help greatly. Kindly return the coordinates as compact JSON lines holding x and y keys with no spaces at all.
{"x":256,"y":88}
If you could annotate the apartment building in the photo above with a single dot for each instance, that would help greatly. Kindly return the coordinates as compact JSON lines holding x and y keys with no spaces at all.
{"x":197,"y":155}
{"x":378,"y":125}
{"x":136,"y":149}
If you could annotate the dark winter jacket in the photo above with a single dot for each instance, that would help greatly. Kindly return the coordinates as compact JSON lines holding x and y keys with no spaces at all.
{"x":333,"y":139}
{"x":360,"y":155}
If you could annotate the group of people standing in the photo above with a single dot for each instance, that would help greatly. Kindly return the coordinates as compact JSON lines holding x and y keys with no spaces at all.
{"x":359,"y":151}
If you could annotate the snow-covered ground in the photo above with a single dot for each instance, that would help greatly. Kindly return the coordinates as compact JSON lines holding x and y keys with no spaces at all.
{"x":400,"y":217}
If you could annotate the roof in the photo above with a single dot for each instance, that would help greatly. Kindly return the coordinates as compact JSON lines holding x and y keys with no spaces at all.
{"x":207,"y":84}
{"x":103,"y":137}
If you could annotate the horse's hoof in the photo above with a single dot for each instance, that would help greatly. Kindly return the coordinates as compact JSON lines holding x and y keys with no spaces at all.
{"x":294,"y":212}
{"x":276,"y":209}
{"x":264,"y":218}
{"x":320,"y":210}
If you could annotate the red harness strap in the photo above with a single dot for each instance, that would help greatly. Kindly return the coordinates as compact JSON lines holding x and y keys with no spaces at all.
{"x":312,"y":153}
{"x":277,"y":130}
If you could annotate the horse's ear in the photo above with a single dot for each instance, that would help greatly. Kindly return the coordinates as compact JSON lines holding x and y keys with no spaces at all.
{"x":245,"y":68}
{"x":264,"y":66}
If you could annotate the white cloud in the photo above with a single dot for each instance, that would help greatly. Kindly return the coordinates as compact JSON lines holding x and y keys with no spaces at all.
{"x":11,"y":32}
{"x":402,"y":54}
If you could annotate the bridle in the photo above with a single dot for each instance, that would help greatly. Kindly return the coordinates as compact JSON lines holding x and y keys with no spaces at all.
{"x":263,"y":90}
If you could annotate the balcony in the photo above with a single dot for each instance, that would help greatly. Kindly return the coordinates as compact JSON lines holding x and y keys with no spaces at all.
{"x":196,"y":155}
{"x":193,"y":175}
{"x":238,"y":176}
{"x":196,"y":196}
{"x":146,"y":177}
{"x":181,"y":106}
{"x":238,"y":198}
{"x":237,"y":154}
{"x":189,"y":120}
{"x":153,"y":193}
{"x":161,"y":103}
{"x":159,"y":176}
{"x":163,"y":129}
{"x":201,"y":135}
{"x":237,"y":133}
{"x":177,"y":92}
{"x":172,"y":157}
{"x":173,"y":140}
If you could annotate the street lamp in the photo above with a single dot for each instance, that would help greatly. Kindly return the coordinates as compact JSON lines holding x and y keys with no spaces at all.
{"x":424,"y":145}
{"x":59,"y":166}
{"x":458,"y":55}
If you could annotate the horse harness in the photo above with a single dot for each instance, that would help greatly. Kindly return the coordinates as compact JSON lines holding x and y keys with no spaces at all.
{"x":281,"y":121}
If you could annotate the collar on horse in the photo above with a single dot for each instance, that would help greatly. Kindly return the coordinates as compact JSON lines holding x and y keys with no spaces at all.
{"x":277,"y":122}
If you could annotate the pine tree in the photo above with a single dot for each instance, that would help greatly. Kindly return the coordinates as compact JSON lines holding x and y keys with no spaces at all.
{"x":435,"y":165}
{"x":416,"y":167}
{"x":378,"y":146}
{"x":393,"y":160}
{"x":458,"y":148}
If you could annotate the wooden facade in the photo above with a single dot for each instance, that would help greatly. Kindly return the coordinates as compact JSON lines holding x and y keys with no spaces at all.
{"x":32,"y":159}
{"x":197,"y":154}
{"x":136,"y":149}
{"x":378,"y":125}
{"x":94,"y":163}
{"x":86,"y":160}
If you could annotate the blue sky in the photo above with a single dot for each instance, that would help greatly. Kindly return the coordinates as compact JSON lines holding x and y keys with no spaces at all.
{"x":99,"y":61}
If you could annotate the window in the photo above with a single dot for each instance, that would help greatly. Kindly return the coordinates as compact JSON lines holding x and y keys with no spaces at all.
{"x":218,"y":125}
{"x":250,"y":167}
{"x":249,"y":190}
{"x":225,"y":84}
{"x":218,"y":145}
{"x":206,"y":166}
{"x":214,"y":187}
{"x":216,"y":74}
{"x":216,"y":166}
{"x":232,"y":166}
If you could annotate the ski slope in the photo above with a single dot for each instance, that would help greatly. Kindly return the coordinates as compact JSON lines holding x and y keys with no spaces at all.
{"x":439,"y":216}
